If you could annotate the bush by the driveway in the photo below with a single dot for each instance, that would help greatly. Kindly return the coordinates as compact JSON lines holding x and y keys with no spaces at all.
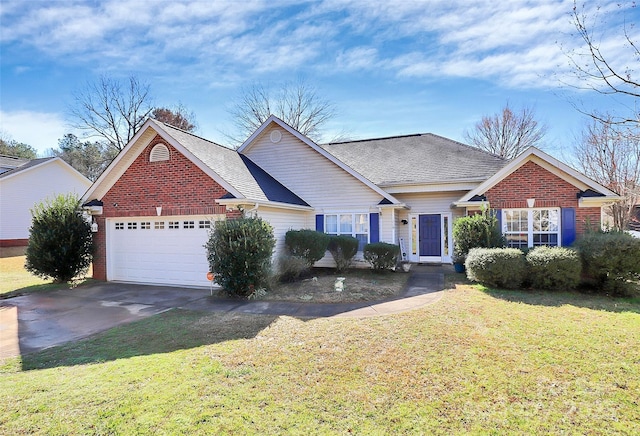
{"x":60,"y":241}
{"x":239,"y":253}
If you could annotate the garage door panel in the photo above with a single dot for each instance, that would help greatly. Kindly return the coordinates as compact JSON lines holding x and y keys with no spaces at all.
{"x":149,"y":254}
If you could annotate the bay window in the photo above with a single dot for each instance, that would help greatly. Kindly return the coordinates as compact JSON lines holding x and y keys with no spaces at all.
{"x":526,"y":228}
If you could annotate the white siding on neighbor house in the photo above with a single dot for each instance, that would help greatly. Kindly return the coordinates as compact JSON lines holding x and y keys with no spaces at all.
{"x":283,"y":220}
{"x":19,"y":194}
{"x":314,"y":178}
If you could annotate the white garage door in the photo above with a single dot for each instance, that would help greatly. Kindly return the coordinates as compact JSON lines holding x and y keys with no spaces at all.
{"x":159,"y":250}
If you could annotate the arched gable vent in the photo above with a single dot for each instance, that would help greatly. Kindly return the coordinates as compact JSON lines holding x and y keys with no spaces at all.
{"x":159,"y":153}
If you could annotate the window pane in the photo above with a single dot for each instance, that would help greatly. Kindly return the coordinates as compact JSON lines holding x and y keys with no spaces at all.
{"x":414,"y":236}
{"x":445,"y":229}
{"x":331,"y":224}
{"x":362,"y":223}
{"x":517,"y":240}
{"x":346,"y":224}
{"x":554,"y":220}
{"x":550,"y":239}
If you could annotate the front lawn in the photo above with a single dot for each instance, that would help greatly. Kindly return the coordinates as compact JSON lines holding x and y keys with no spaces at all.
{"x":15,"y":280}
{"x":477,"y":361}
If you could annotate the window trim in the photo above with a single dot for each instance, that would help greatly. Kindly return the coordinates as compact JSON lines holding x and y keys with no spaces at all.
{"x":353,"y":232}
{"x":530,"y":232}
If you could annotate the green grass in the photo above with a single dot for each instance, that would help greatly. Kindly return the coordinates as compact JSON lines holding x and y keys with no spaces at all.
{"x":478,"y":361}
{"x":15,"y":280}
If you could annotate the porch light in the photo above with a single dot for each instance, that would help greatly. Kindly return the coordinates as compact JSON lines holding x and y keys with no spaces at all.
{"x":94,"y":227}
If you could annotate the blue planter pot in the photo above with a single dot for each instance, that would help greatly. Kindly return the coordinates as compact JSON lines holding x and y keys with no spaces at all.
{"x":459,"y":267}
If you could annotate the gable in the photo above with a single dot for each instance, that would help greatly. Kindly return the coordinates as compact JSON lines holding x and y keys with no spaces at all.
{"x":176,"y":184}
{"x":307,"y":172}
{"x":531,"y":180}
{"x":527,"y":167}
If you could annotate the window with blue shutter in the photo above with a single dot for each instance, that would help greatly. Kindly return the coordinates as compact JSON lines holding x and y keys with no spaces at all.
{"x":374,"y":227}
{"x":568,"y":226}
{"x":320,"y":223}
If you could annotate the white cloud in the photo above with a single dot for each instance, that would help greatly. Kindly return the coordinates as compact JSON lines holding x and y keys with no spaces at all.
{"x":512,"y":41}
{"x":41,"y":130}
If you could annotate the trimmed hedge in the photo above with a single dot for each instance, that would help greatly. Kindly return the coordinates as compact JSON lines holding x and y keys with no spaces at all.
{"x":343,"y":248}
{"x":610,"y":259}
{"x":497,"y":267}
{"x":309,"y":245}
{"x":553,"y":268}
{"x":239,"y":253}
{"x":381,"y":256}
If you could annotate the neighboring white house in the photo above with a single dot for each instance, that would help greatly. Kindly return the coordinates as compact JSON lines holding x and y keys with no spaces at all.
{"x":23,"y":183}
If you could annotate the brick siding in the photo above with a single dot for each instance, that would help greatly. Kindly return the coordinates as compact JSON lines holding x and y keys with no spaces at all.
{"x":533,"y":181}
{"x":178,"y":185}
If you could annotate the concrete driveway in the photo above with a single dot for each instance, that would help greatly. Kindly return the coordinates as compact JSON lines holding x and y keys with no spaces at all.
{"x":37,"y":321}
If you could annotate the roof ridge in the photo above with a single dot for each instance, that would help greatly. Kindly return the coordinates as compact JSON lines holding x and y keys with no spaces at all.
{"x":192,"y":134}
{"x":470,"y":146}
{"x":375,"y":139}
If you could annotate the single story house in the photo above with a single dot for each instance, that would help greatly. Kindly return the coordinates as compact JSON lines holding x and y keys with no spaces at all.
{"x":155,"y":203}
{"x":26,"y":182}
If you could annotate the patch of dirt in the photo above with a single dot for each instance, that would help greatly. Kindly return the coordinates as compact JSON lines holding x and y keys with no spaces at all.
{"x":358,"y":285}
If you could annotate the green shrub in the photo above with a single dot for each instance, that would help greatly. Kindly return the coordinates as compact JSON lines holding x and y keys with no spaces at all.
{"x":610,"y":259}
{"x":381,"y":256}
{"x":497,"y":267}
{"x":309,"y":245}
{"x":553,"y":268}
{"x":291,"y":268}
{"x":239,"y":253}
{"x":474,"y":231}
{"x":60,"y":242}
{"x":343,"y":249}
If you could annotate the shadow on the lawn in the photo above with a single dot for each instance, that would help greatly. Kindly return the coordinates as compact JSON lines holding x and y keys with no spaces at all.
{"x":572,"y":298}
{"x":164,"y":333}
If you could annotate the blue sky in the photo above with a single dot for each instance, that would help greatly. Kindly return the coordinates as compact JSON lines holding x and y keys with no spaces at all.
{"x":390,"y":67}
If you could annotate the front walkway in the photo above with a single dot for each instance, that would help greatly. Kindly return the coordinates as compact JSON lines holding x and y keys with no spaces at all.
{"x":36,"y":321}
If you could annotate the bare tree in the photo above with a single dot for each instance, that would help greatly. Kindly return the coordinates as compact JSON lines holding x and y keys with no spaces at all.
{"x":508,"y":133}
{"x":112,"y":110}
{"x":610,"y":155}
{"x":296,"y":103}
{"x":178,"y":116}
{"x":605,"y":72}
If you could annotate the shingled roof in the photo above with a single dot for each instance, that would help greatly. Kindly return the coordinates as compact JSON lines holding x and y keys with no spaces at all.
{"x":12,"y":165}
{"x":239,"y":171}
{"x":416,"y":159}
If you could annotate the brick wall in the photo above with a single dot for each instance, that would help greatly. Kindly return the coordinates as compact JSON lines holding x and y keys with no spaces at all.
{"x":179,"y":186}
{"x":549,"y":190}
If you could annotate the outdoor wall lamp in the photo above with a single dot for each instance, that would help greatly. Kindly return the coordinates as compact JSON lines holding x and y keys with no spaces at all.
{"x":405,"y":222}
{"x":94,"y":227}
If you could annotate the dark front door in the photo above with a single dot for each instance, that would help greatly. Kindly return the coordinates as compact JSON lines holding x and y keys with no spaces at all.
{"x":430,"y":235}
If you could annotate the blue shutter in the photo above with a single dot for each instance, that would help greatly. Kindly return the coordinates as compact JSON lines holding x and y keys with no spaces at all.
{"x":498,"y":213}
{"x":568,"y":226}
{"x":320,"y":223}
{"x":374,"y":227}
